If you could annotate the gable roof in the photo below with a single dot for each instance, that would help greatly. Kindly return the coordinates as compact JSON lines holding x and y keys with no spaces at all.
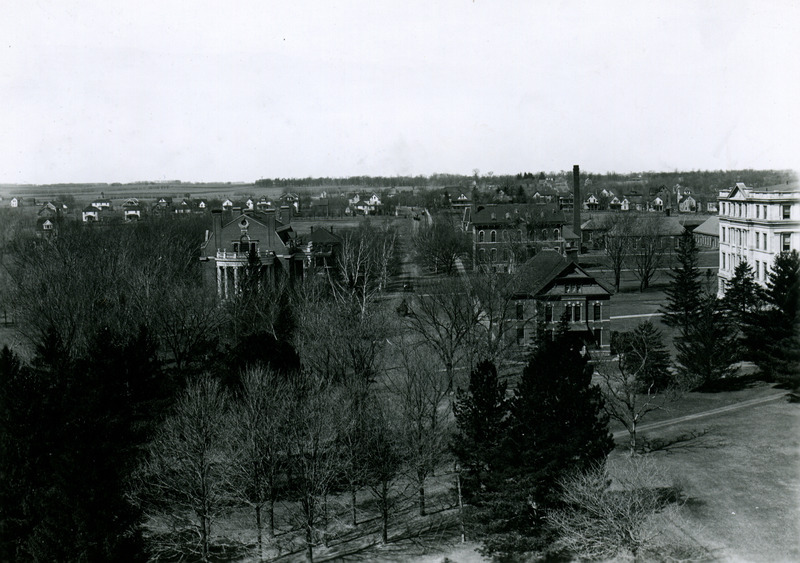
{"x":709,"y":227}
{"x":541,"y":271}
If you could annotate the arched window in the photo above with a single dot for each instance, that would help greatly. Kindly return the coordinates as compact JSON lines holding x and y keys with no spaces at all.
{"x":494,"y":255}
{"x":544,"y":234}
{"x":597,"y":314}
{"x":482,"y":256}
{"x":493,"y":236}
{"x":480,"y":236}
{"x":555,"y":234}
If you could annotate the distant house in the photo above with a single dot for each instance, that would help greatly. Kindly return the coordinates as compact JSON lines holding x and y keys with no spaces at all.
{"x":15,"y":202}
{"x":53,"y":209}
{"x":707,"y":234}
{"x":90,"y":214}
{"x":591,"y":203}
{"x":227,"y":205}
{"x":132,"y":212}
{"x":688,"y":205}
{"x":554,"y":288}
{"x":103,"y":204}
{"x":656,"y":204}
{"x":46,"y":227}
{"x":711,"y":206}
{"x":321,"y":247}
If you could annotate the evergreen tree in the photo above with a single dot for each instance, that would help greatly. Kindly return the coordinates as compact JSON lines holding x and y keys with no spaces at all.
{"x":706,"y":352}
{"x":557,"y":425}
{"x":684,"y":293}
{"x":69,"y":442}
{"x":481,"y":414}
{"x":743,"y":296}
{"x":772,"y":334}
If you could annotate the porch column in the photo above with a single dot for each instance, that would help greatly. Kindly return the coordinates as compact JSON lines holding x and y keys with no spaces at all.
{"x":225,"y":277}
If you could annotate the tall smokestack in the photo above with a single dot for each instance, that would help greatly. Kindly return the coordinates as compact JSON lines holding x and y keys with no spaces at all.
{"x":577,"y":202}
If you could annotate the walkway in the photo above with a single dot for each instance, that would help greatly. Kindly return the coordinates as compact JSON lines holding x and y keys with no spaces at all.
{"x":719,"y":410}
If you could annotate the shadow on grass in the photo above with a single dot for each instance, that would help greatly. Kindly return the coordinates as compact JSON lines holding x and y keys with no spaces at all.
{"x":688,"y":441}
{"x":732,"y":384}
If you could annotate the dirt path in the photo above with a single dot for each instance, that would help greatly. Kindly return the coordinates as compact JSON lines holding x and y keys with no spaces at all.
{"x":719,"y":410}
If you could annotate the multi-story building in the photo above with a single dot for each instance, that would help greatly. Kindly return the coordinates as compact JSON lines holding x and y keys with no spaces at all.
{"x":240,"y":238}
{"x":755,"y":225}
{"x":556,"y":288}
{"x":505,"y":235}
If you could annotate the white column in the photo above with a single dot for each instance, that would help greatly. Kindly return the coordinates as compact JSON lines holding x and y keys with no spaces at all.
{"x":225,"y":277}
{"x":236,"y":280}
{"x":219,"y":281}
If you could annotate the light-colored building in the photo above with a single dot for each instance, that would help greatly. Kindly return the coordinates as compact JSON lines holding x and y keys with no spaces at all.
{"x":755,"y":225}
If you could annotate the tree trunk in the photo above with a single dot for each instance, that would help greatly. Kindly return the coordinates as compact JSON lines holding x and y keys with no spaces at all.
{"x":633,"y":437}
{"x":272,"y":516}
{"x":385,"y":512}
{"x":421,"y":499}
{"x":258,"y":532}
{"x":309,"y":544}
{"x":353,"y":504}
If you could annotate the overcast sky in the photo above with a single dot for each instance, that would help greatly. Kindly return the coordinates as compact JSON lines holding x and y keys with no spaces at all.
{"x":104,"y":91}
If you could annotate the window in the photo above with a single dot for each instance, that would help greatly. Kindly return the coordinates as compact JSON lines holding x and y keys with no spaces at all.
{"x":493,"y":236}
{"x":787,"y":211}
{"x":520,"y":311}
{"x":786,"y":242}
{"x":577,"y":312}
{"x":597,"y":312}
{"x":598,"y":337}
{"x":723,"y":234}
{"x":480,"y":236}
{"x":722,"y":254}
{"x":568,"y":312}
{"x":548,"y":313}
{"x":520,"y":335}
{"x":758,"y":270}
{"x":544,"y":234}
{"x":494,"y":255}
{"x":482,"y":256}
{"x":758,"y":239}
{"x":556,"y":234}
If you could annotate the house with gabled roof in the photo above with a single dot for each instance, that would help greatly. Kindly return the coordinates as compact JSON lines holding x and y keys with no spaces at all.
{"x":250,"y":239}
{"x":552,"y":288}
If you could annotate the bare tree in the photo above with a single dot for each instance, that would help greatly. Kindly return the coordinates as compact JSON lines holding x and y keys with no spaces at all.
{"x":315,"y":417}
{"x":628,"y":511}
{"x":259,"y":426}
{"x":618,"y":240}
{"x":443,"y":318}
{"x":383,"y":459}
{"x":650,"y":245}
{"x":418,"y":391}
{"x":634,"y":385}
{"x":188,"y":469}
{"x":494,"y":295}
{"x":440,"y":245}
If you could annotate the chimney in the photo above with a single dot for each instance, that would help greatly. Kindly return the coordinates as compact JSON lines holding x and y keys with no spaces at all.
{"x":576,"y":204}
{"x":216,"y":216}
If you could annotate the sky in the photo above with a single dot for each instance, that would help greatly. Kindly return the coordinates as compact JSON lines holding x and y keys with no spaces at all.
{"x":120,"y":91}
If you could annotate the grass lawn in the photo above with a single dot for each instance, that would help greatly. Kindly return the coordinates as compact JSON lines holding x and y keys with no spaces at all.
{"x":741,"y":478}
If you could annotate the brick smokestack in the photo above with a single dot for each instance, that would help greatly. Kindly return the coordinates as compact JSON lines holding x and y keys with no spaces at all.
{"x":577,"y":202}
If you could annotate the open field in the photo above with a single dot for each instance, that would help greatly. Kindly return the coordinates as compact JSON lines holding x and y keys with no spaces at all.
{"x":741,"y":472}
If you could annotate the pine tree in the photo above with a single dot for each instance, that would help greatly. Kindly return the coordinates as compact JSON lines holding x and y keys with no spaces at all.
{"x":557,"y":425}
{"x":481,"y":414}
{"x":772,"y":334}
{"x":743,"y":295}
{"x":684,"y":293}
{"x":706,"y":352}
